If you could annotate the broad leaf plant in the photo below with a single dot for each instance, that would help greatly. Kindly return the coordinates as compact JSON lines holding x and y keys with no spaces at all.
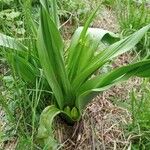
{"x":70,"y":74}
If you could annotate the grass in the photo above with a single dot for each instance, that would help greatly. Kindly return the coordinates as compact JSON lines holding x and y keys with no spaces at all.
{"x":140,"y":109}
{"x":131,"y":17}
{"x":23,"y":110}
{"x":108,"y":3}
{"x":77,"y":11}
{"x":137,"y":105}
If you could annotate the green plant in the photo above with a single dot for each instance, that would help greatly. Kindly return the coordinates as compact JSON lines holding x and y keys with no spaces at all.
{"x":75,"y":10}
{"x":70,"y":79}
{"x":72,"y":75}
{"x":139,"y":107}
{"x":109,"y":3}
{"x":10,"y":22}
{"x":131,"y":17}
{"x":22,"y":108}
{"x":16,"y":18}
{"x":4,"y":2}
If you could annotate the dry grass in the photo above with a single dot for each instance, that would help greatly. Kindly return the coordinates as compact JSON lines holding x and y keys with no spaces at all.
{"x":101,"y":128}
{"x":107,"y":20}
{"x":102,"y":125}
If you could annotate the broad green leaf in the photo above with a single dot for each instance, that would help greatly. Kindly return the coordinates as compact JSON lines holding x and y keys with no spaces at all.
{"x":95,"y":37}
{"x":45,"y":132}
{"x":76,"y":47}
{"x":49,"y":72}
{"x":99,"y":35}
{"x":103,"y":82}
{"x":33,"y":27}
{"x":53,"y":11}
{"x":12,"y":43}
{"x":45,"y":5}
{"x":29,"y":53}
{"x":143,"y":71}
{"x":108,"y":54}
{"x":136,"y":69}
{"x":86,"y":97}
{"x":23,"y":68}
{"x":50,"y":49}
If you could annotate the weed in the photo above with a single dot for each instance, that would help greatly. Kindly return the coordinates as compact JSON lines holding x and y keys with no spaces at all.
{"x":71,"y":79}
{"x":139,"y":107}
{"x":131,"y":17}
